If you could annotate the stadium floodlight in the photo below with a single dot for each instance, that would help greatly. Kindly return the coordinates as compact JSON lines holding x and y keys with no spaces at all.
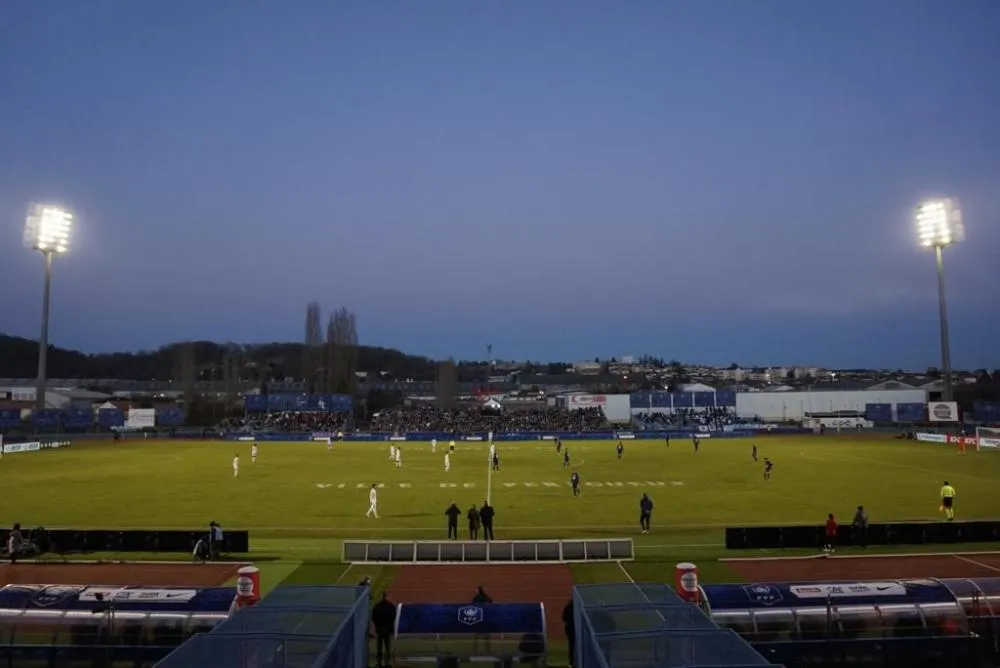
{"x":939,"y":224}
{"x":46,"y":230}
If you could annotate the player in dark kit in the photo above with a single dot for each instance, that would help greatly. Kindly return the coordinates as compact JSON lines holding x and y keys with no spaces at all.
{"x":666,"y":440}
{"x":566,"y":457}
{"x":574,"y":480}
{"x":696,"y":441}
{"x":558,"y":445}
{"x":496,"y":461}
{"x":620,"y":449}
{"x":768,"y":466}
{"x":645,"y":511}
{"x":754,"y":453}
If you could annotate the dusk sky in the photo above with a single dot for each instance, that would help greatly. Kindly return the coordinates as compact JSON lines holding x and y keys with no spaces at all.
{"x":709,"y":180}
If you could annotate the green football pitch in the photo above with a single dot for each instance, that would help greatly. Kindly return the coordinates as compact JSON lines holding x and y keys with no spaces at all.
{"x":299,"y":500}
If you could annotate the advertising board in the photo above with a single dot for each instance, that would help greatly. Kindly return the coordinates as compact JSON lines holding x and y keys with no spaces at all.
{"x":932,"y":438}
{"x":616,"y":407}
{"x":942,"y":411}
{"x":32,"y":446}
{"x":141,"y":418}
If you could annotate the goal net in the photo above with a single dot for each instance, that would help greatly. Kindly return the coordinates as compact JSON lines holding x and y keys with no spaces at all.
{"x":987,"y":438}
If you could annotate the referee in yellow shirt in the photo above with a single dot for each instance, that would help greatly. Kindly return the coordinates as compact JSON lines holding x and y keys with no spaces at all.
{"x":948,"y":501}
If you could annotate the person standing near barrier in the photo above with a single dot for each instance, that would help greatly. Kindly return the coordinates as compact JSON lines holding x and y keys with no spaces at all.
{"x":860,"y":525}
{"x":384,"y":621}
{"x":569,"y":626}
{"x":831,"y":533}
{"x":473,"y":517}
{"x":486,"y":515}
{"x":453,"y":513}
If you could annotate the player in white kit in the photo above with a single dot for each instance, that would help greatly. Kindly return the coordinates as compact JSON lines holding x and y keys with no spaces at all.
{"x":236,"y":466}
{"x":493,"y":451}
{"x":434,"y":445}
{"x":373,"y":503}
{"x":253,"y":453}
{"x":399,"y":457}
{"x":447,"y":462}
{"x":392,"y":453}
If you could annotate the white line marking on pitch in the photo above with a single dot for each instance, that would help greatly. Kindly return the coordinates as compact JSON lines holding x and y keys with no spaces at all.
{"x":976,"y":563}
{"x":343,"y":573}
{"x":625,"y":572}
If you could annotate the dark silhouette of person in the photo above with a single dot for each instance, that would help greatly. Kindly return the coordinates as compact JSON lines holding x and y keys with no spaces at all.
{"x":486,"y":514}
{"x":384,"y":621}
{"x":569,"y":625}
{"x":473,"y":516}
{"x":481,"y":596}
{"x":453,"y":513}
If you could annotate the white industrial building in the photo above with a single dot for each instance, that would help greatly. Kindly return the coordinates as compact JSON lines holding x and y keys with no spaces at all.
{"x":794,"y":405}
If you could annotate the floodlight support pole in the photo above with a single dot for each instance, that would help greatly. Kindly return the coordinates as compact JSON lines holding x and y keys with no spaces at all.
{"x":43,"y":339}
{"x":943,"y":315}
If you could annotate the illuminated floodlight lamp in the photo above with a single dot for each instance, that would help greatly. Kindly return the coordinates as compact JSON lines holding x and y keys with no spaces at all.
{"x":939,"y":223}
{"x":47,"y":229}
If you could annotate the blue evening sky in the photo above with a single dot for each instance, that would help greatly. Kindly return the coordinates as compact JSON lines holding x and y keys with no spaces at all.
{"x":709,"y":180}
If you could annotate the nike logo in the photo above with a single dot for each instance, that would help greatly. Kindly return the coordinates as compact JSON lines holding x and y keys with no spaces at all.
{"x":884,"y":587}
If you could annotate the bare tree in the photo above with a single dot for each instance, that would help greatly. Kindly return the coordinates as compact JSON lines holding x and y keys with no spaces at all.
{"x":232,"y":374}
{"x":446,"y":389}
{"x":342,"y":352}
{"x":312,"y":354}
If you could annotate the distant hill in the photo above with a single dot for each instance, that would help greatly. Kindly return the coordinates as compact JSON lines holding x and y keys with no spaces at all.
{"x":19,"y":359}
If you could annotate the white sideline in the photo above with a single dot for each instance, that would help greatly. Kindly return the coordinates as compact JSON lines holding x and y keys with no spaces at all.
{"x":901,"y":555}
{"x":582,"y":527}
{"x":974,"y":562}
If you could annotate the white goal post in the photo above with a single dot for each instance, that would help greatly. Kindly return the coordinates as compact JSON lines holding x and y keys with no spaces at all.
{"x":987,"y":438}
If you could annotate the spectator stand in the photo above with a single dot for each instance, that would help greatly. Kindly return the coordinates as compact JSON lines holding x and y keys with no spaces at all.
{"x":307,"y":627}
{"x":637,"y":624}
{"x":489,"y":633}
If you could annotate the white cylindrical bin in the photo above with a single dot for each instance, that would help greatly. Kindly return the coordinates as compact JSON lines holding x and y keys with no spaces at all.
{"x":247,"y":589}
{"x":686,"y":581}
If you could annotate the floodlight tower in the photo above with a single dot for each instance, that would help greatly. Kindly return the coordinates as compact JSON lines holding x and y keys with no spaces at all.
{"x":46,"y":230}
{"x":939,"y":224}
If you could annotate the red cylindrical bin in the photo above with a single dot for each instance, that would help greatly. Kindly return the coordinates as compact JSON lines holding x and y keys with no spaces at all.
{"x":686,"y":580}
{"x":247,"y":588}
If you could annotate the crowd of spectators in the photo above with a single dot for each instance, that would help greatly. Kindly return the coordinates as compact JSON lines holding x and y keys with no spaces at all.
{"x":426,"y":419}
{"x":476,"y":419}
{"x":715,"y":417}
{"x":289,"y":422}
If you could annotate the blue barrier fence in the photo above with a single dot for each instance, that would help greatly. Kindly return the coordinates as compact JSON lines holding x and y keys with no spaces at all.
{"x":334,"y":403}
{"x":986,"y":411}
{"x":661,"y":400}
{"x":443,"y":437}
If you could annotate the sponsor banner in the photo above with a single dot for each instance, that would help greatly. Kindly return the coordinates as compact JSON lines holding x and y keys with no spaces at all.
{"x":625,"y":436}
{"x":397,"y":438}
{"x":580,"y":401}
{"x":137,"y":595}
{"x":141,"y":418}
{"x":473,"y":438}
{"x":246,"y":438}
{"x":849,"y":589}
{"x":942,"y":411}
{"x":161,"y":599}
{"x":55,"y":445}
{"x":985,"y":442}
{"x":11,"y":448}
{"x":809,"y":594}
{"x":932,"y":438}
{"x":548,"y":438}
{"x":963,"y":440}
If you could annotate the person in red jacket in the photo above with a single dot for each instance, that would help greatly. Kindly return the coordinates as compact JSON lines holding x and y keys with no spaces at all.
{"x":831,"y":533}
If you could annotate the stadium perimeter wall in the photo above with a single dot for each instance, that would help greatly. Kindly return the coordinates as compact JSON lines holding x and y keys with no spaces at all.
{"x":443,"y":438}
